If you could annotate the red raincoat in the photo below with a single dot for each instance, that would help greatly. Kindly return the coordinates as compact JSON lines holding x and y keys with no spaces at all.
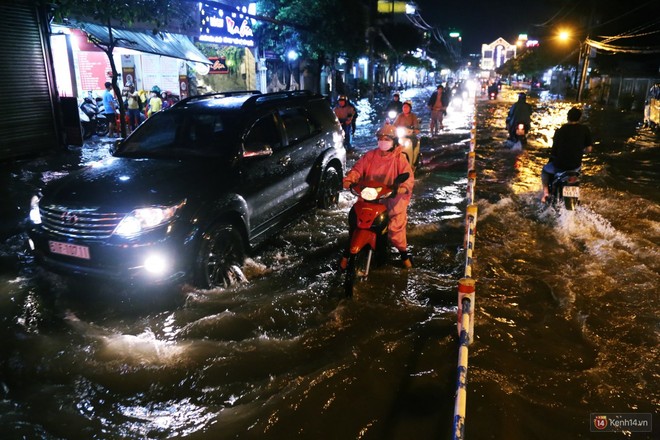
{"x":384,"y":166}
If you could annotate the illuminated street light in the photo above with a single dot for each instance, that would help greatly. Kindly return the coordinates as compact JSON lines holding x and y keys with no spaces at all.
{"x":564,"y":35}
{"x":292,"y":55}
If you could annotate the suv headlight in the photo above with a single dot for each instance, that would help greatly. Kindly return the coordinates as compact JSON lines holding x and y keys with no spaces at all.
{"x":35,"y":215}
{"x":143,"y":219}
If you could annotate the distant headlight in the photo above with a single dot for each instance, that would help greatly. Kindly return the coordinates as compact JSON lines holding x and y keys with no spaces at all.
{"x":144,"y":219}
{"x":35,"y":216}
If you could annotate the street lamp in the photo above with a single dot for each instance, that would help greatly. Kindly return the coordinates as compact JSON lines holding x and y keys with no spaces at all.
{"x":292,"y":56}
{"x":564,"y":35}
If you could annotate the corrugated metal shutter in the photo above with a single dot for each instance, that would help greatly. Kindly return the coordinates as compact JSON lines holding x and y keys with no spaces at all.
{"x":27,"y":121}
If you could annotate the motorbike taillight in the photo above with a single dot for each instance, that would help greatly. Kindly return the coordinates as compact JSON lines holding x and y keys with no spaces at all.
{"x":572,"y":179}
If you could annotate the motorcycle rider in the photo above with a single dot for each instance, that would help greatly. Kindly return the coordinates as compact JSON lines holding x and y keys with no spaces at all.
{"x":407,"y":118}
{"x":394,"y":105}
{"x":383,"y":164}
{"x":519,"y":113}
{"x":345,"y":114}
{"x":569,"y":144}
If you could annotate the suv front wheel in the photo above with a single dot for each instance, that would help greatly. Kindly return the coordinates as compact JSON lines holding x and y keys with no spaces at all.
{"x":328,"y":195}
{"x":220,"y":258}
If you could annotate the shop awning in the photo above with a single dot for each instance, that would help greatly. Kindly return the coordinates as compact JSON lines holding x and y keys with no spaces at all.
{"x":165,"y":44}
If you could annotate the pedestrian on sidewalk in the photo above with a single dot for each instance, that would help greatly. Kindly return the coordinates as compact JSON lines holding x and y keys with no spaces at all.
{"x":109,"y":107}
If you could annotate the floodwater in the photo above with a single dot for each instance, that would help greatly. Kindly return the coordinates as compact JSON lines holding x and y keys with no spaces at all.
{"x":567,"y":320}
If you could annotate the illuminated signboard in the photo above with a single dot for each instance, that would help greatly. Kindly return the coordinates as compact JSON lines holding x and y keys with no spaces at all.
{"x":227,"y":26}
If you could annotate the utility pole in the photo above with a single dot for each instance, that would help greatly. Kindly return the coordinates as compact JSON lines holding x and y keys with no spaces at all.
{"x":585,"y":68}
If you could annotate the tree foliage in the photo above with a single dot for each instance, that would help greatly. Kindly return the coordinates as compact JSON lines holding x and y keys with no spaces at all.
{"x":314,"y":28}
{"x":531,"y":63}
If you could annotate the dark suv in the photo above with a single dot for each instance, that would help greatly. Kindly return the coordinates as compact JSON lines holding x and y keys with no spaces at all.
{"x":192,"y":190}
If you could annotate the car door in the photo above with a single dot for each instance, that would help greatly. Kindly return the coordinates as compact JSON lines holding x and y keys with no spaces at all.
{"x":305,"y":144}
{"x":267,"y":173}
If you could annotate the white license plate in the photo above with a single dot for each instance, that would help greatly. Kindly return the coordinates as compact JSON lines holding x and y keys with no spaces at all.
{"x":71,"y":250}
{"x":571,"y":191}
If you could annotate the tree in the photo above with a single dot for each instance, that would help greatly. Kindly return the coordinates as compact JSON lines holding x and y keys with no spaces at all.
{"x":316,"y":29}
{"x":154,"y":14}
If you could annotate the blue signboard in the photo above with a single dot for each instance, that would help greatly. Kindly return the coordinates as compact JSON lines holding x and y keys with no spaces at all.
{"x":227,"y":26}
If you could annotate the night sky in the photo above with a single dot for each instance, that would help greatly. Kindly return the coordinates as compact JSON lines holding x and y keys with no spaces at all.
{"x":482,"y":21}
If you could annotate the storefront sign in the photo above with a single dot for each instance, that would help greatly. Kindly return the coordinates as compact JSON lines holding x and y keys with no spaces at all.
{"x":224,"y":25}
{"x":183,"y":86}
{"x":93,"y":68}
{"x":219,"y":65}
{"x":82,"y":41}
{"x":160,"y":71}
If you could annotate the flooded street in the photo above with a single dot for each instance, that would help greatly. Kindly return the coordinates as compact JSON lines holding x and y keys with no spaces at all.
{"x":567,"y":320}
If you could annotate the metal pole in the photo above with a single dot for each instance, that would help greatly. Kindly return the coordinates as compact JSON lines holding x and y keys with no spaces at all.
{"x":585,"y":67}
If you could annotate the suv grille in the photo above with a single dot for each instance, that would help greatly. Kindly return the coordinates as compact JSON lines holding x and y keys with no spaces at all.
{"x":79,"y":223}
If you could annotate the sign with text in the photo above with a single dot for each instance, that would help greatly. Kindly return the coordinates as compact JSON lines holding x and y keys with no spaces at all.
{"x":160,"y":71}
{"x":223,"y":25}
{"x":93,"y":68}
{"x":219,"y":65}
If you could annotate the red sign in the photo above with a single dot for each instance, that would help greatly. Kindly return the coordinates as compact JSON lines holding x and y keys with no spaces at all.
{"x":183,"y":86}
{"x":83,"y":42}
{"x":219,"y":65}
{"x":93,"y":68}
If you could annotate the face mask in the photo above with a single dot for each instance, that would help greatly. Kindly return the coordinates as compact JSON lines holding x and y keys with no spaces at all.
{"x":385,"y":145}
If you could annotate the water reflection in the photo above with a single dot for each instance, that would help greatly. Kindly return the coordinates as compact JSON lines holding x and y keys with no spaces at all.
{"x":567,"y":307}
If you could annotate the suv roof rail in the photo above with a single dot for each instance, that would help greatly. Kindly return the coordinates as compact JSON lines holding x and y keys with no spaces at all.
{"x":218,"y":95}
{"x":277,"y":96}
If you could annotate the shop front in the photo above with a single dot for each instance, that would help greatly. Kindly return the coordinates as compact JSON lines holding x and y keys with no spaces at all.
{"x":143,"y":61}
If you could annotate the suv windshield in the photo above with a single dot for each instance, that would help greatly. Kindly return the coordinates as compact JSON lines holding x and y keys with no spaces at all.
{"x":182,"y":134}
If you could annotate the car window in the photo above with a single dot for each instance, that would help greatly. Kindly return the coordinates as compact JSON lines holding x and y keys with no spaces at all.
{"x":263,"y":133}
{"x":183,"y":134}
{"x":297,"y":124}
{"x":321,"y":114}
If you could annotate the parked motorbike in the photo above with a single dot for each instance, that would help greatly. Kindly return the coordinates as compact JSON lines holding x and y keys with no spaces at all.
{"x":94,"y":121}
{"x":368,"y":223}
{"x":565,"y":187}
{"x":410,"y":144}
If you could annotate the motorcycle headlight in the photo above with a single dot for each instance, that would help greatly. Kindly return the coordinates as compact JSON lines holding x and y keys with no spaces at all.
{"x":369,"y":194}
{"x":35,"y":215}
{"x":401,"y":132}
{"x":392,"y":114}
{"x":143,"y":219}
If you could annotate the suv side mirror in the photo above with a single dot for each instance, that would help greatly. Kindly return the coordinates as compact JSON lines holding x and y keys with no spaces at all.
{"x":257,"y":149}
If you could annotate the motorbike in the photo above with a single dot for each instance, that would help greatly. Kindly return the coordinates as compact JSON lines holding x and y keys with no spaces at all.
{"x":368,"y":223}
{"x":492,"y":91}
{"x":94,"y":121}
{"x":410,"y":144}
{"x":565,"y":187}
{"x":391,"y":116}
